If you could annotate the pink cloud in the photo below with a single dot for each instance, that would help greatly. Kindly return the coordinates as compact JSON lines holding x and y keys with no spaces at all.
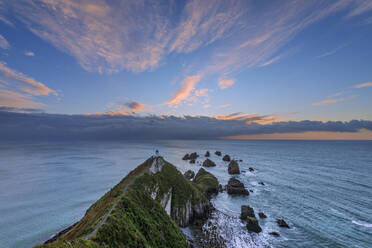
{"x":187,"y":86}
{"x":226,"y":83}
{"x":363,"y":85}
{"x":29,"y":85}
{"x":329,"y":101}
{"x":17,"y":100}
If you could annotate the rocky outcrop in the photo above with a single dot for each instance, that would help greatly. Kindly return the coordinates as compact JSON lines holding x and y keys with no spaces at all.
{"x":233,"y":167}
{"x":235,"y":187}
{"x":208,"y":163}
{"x":207,"y":154}
{"x":262,"y":215}
{"x":282,"y":223}
{"x":246,"y":211}
{"x":186,"y":157}
{"x":261,"y":183}
{"x":206,"y":182}
{"x":189,"y":174}
{"x":194,"y":155}
{"x":226,"y":158}
{"x":192,"y":161}
{"x":252,"y":225}
{"x":251,"y":169}
{"x":218,"y":153}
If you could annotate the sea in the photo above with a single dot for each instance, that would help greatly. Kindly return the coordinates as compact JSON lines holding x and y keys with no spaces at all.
{"x":322,"y":189}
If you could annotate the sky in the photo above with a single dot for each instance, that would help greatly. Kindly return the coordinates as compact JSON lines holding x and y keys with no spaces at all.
{"x":263,"y":68}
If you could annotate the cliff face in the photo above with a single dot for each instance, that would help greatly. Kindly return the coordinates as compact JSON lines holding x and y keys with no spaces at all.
{"x":143,"y":210}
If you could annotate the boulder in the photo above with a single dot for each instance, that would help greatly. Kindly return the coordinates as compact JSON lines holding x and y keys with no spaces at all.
{"x":192,"y":161}
{"x":186,"y":157}
{"x":275,"y":234}
{"x":252,"y":225}
{"x":189,"y":174}
{"x":194,"y":155}
{"x":235,"y":187}
{"x":262,"y":215}
{"x":233,"y":167}
{"x":240,"y":160}
{"x":282,"y":223}
{"x":207,"y":154}
{"x":208,"y":163}
{"x":206,"y":182}
{"x":220,"y":188}
{"x":246,"y":211}
{"x":251,"y":169}
{"x":218,"y":153}
{"x":262,"y":183}
{"x":226,"y":158}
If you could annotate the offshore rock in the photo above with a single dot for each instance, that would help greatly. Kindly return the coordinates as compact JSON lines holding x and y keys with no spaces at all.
{"x":186,"y":157}
{"x":233,"y":167}
{"x":207,"y":154}
{"x":226,"y":158}
{"x":235,"y":187}
{"x":218,"y":153}
{"x":275,"y":234}
{"x":262,"y":215}
{"x":208,"y":163}
{"x":282,"y":223}
{"x":194,"y":155}
{"x":252,"y":225}
{"x":246,"y":211}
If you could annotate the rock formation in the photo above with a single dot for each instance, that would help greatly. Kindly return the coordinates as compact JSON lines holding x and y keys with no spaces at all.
{"x":189,"y":174}
{"x":235,"y":187}
{"x":246,"y":211}
{"x":207,"y":154}
{"x":252,"y":225}
{"x":226,"y":158}
{"x":233,"y":167}
{"x":262,"y":215}
{"x":282,"y":223}
{"x":208,"y":163}
{"x":218,"y":153}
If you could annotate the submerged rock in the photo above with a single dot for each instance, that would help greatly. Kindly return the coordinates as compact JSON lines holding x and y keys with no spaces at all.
{"x":275,"y":234}
{"x":262,"y":215}
{"x":189,"y":174}
{"x":251,"y":169}
{"x":282,"y":223}
{"x":235,"y":187}
{"x":218,"y":153}
{"x":192,"y":161}
{"x":226,"y":158}
{"x":252,"y":225}
{"x":206,"y":182}
{"x":261,"y":183}
{"x":246,"y":211}
{"x":208,"y":163}
{"x":207,"y":154}
{"x":233,"y":167}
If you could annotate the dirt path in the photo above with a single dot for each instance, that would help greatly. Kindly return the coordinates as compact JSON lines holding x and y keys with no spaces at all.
{"x":109,"y":212}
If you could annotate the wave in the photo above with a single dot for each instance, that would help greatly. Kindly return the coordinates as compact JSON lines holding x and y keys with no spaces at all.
{"x":361,"y":223}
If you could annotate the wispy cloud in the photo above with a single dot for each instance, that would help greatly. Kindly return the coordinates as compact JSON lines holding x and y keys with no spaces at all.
{"x":331,"y":52}
{"x":269,"y":62}
{"x":17,"y":100}
{"x":4,"y":44}
{"x":251,"y":118}
{"x":129,"y":108}
{"x":224,"y":106}
{"x":29,"y":53}
{"x":29,"y":84}
{"x":226,"y":83}
{"x":187,"y":86}
{"x":363,"y":85}
{"x":329,"y":101}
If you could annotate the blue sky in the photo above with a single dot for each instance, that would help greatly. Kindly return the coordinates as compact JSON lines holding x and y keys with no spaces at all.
{"x":277,"y":60}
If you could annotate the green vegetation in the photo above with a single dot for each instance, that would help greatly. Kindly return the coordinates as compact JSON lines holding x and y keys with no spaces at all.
{"x":206,"y":182}
{"x":139,"y":218}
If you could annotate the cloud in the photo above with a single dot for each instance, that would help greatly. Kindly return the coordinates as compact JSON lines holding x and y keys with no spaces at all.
{"x":136,"y":106}
{"x":17,"y":100}
{"x":269,"y":62}
{"x":331,"y":52}
{"x":187,"y":86}
{"x":42,"y":126}
{"x":31,"y":54}
{"x":363,"y":85}
{"x":329,"y":101}
{"x":20,"y":110}
{"x":251,"y":118}
{"x":224,"y":106}
{"x":226,"y":83}
{"x":29,"y":84}
{"x":4,"y":43}
{"x":128,"y":108}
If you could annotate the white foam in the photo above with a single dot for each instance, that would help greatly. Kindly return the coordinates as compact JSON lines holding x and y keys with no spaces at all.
{"x":361,"y":223}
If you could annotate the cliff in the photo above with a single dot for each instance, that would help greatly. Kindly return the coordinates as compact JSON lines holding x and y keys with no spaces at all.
{"x":145,"y":209}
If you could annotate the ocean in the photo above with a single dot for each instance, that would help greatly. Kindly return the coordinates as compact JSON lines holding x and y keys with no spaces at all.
{"x":323,"y":189}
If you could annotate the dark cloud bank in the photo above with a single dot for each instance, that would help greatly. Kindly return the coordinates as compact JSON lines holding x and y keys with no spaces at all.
{"x":42,"y":126}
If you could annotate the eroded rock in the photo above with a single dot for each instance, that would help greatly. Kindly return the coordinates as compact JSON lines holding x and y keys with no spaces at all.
{"x":218,"y":153}
{"x":189,"y":174}
{"x":262,"y":215}
{"x":233,"y":167}
{"x":207,"y":154}
{"x":246,"y":211}
{"x":252,"y":225}
{"x":208,"y":163}
{"x":226,"y":158}
{"x":235,"y":187}
{"x":282,"y":223}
